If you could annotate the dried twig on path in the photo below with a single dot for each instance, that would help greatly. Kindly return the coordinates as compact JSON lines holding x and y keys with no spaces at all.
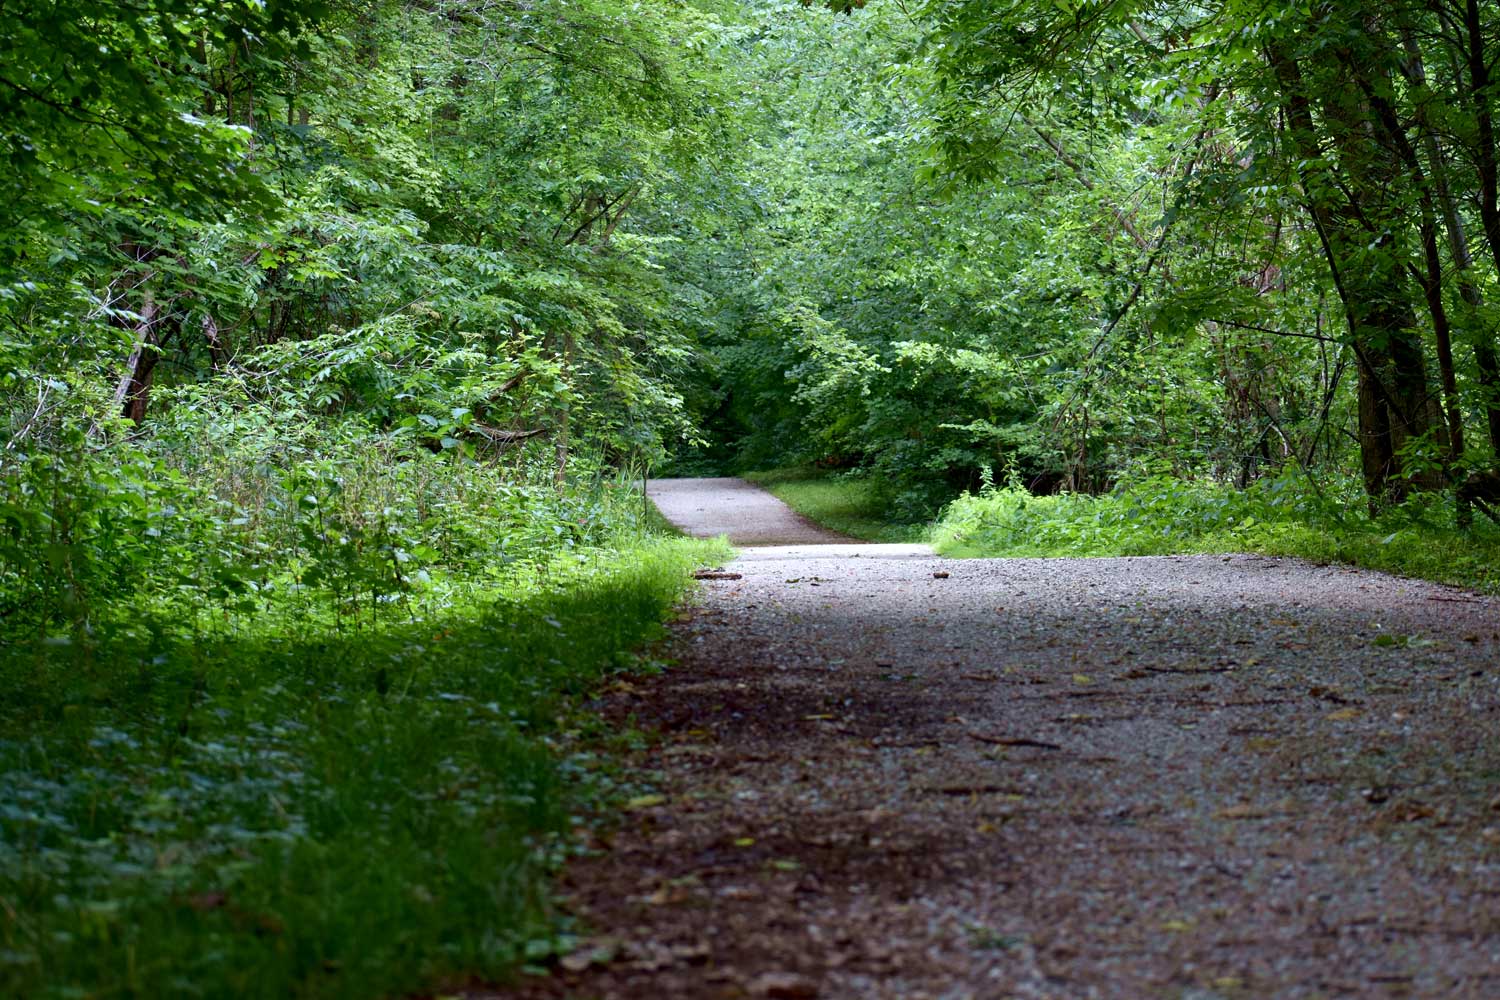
{"x":1013,"y":741}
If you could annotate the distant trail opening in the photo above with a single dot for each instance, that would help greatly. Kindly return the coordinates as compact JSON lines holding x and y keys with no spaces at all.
{"x":744,"y":512}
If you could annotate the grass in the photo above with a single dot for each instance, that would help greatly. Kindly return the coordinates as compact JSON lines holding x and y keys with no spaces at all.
{"x":1165,"y":516}
{"x":846,"y":504}
{"x":1162,"y":515}
{"x":296,"y":810}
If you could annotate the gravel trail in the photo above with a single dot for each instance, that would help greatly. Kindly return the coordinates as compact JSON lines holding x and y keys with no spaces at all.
{"x":1177,"y":777}
{"x":746,"y":513}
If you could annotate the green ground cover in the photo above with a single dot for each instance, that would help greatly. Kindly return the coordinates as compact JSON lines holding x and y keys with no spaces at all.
{"x":310,"y":813}
{"x":291,"y":709}
{"x":1163,"y":515}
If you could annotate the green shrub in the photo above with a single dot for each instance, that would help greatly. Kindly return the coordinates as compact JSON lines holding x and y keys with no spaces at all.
{"x":1162,"y":515}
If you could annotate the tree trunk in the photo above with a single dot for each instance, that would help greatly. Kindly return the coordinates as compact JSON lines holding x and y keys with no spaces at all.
{"x":135,"y":378}
{"x":1484,"y":339}
{"x":1431,"y":276}
{"x":1484,"y":123}
{"x":562,"y":415}
{"x":1396,"y":405}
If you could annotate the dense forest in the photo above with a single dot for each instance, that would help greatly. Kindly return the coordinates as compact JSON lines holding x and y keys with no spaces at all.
{"x":336,"y":334}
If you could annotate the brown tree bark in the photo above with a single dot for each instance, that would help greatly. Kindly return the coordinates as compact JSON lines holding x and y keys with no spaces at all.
{"x":1485,"y":355}
{"x":1485,"y":157}
{"x":134,"y":386}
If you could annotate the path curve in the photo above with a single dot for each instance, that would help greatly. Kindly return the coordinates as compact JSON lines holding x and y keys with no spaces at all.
{"x":750,"y":516}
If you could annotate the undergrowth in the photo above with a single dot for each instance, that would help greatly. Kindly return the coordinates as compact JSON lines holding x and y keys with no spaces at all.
{"x":1162,"y":515}
{"x":288,"y":704}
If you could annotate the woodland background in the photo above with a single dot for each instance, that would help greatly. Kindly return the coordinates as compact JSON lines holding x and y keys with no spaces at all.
{"x":335,"y":334}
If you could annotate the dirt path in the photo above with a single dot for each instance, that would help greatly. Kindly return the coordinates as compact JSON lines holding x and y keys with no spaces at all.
{"x":1194,"y":778}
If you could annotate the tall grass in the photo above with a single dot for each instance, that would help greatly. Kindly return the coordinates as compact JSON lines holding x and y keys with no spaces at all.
{"x":307,"y":813}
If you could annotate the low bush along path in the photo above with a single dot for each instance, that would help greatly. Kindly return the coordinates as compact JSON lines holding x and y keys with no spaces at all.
{"x":1160,"y":777}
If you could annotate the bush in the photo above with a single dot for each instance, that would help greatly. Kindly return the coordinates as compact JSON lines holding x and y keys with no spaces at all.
{"x":1162,"y":515}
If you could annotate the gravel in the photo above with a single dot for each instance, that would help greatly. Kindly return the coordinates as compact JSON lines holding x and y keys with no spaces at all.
{"x":1187,"y":777}
{"x":747,"y":514}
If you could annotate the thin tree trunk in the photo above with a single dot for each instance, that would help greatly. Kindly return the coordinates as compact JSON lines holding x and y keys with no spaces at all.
{"x":562,"y":417}
{"x":216,"y":352}
{"x":135,"y":377}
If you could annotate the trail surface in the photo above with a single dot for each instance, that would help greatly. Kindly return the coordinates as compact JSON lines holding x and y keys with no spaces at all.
{"x":747,"y":514}
{"x":1197,"y":777}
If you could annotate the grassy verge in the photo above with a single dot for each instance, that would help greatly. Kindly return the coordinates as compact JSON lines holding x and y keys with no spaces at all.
{"x":1162,"y":516}
{"x":302,"y":810}
{"x":847,"y":505}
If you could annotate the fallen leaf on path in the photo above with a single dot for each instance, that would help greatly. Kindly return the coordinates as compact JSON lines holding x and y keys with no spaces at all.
{"x":784,"y":986}
{"x":600,"y":952}
{"x":740,"y":892}
{"x":644,"y":802}
{"x":1409,"y":812}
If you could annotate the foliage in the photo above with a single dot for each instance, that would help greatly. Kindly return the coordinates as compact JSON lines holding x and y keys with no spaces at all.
{"x":332,"y":332}
{"x":1163,"y":515}
{"x":290,"y":808}
{"x":1160,"y":238}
